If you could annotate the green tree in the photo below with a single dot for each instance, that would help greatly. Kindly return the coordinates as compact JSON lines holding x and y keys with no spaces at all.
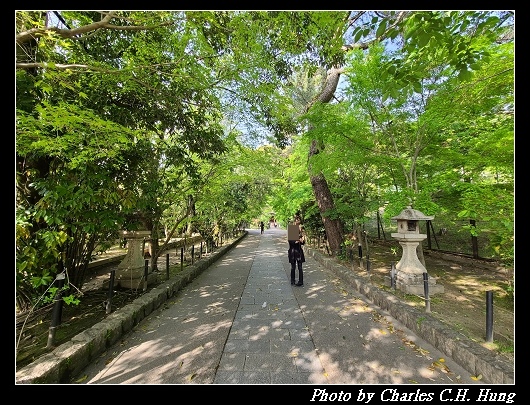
{"x":406,"y":137}
{"x":452,"y":37}
{"x":120,"y":74}
{"x":64,"y":203}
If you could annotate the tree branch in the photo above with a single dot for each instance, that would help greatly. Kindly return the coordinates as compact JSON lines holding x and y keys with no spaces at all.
{"x":27,"y":36}
{"x":74,"y":33}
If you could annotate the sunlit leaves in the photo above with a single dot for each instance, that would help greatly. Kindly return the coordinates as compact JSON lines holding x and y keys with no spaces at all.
{"x":71,"y":300}
{"x":433,"y":38}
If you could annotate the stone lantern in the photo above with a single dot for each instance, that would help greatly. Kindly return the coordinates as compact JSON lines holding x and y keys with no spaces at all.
{"x":130,"y":272}
{"x":409,"y":270}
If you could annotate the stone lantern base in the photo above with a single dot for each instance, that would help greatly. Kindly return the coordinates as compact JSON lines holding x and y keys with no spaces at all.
{"x":413,"y":284}
{"x":409,"y":270}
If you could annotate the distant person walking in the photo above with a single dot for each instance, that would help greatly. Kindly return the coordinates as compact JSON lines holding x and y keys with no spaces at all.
{"x":261,"y":226}
{"x":296,"y":255}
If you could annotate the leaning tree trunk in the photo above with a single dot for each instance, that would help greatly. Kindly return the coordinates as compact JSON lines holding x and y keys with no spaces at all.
{"x":334,"y":227}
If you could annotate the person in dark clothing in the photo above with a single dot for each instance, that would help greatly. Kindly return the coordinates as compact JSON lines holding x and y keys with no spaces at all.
{"x":262,"y":226}
{"x":297,"y":257}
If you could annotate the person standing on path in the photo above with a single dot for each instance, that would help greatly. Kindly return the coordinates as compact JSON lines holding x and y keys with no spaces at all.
{"x":296,"y":255}
{"x":262,"y":226}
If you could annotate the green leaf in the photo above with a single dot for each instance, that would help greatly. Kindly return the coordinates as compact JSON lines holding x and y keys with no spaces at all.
{"x":423,"y":39}
{"x":358,"y":34}
{"x":417,"y":87}
{"x":464,"y":75}
{"x":381,"y":29}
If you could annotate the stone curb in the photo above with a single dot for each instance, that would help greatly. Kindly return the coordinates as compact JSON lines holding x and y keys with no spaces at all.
{"x":71,"y":358}
{"x":470,"y":355}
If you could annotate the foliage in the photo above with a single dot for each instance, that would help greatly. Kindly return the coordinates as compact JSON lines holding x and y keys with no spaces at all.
{"x":237,"y":189}
{"x":76,"y":203}
{"x":108,"y":128}
{"x":129,"y":119}
{"x":429,"y":38}
{"x":390,"y":152}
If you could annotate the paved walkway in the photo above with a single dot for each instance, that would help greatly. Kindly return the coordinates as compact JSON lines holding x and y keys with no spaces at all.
{"x":241,"y":322}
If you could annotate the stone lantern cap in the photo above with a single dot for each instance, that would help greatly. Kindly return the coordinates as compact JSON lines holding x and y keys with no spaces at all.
{"x":409,"y":214}
{"x":407,"y":222}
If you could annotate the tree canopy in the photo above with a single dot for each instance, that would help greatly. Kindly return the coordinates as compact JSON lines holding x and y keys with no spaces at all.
{"x":182,"y":121}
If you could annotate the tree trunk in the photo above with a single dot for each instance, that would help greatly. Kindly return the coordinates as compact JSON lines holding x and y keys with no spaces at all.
{"x":334,"y":227}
